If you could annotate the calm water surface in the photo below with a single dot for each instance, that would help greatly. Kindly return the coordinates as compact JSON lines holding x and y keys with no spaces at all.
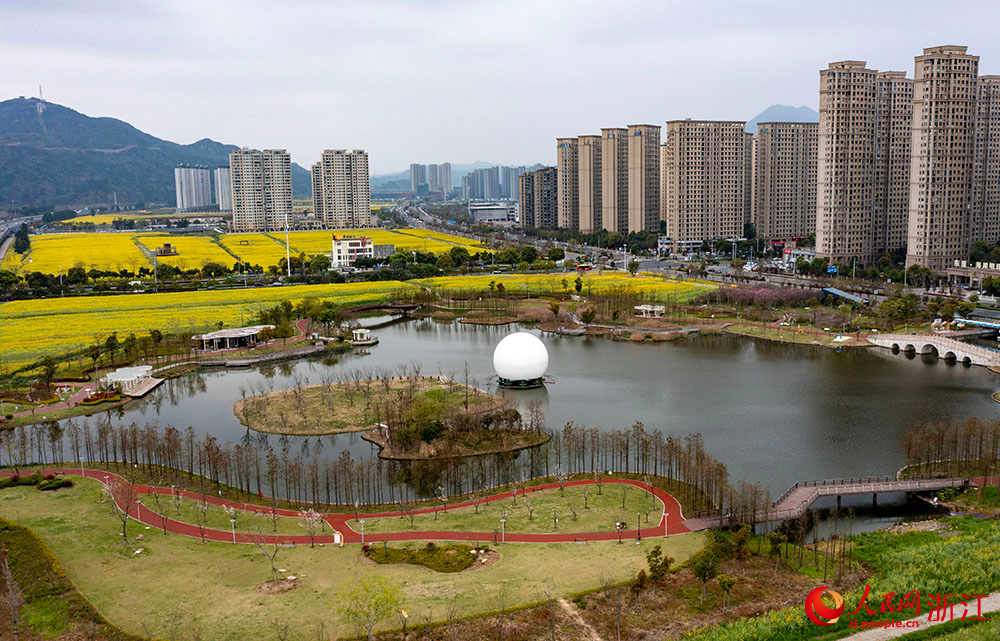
{"x":772,"y":412}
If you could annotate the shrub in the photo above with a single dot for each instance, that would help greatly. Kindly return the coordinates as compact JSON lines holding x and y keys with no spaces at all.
{"x":440,"y":558}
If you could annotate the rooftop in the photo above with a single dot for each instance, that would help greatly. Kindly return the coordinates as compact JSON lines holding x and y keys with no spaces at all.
{"x":236,"y":332}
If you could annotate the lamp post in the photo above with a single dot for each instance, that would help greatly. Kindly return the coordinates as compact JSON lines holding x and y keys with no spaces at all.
{"x":638,"y":528}
{"x":232,"y":524}
{"x":666,"y":518}
{"x":362,"y":522}
{"x":503,"y":533}
{"x":619,"y":526}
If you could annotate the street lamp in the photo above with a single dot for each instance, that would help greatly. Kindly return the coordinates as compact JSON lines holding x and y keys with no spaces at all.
{"x":620,"y":525}
{"x":638,"y":528}
{"x":503,"y":526}
{"x":232,"y":523}
{"x":362,"y":522}
{"x":666,"y":518}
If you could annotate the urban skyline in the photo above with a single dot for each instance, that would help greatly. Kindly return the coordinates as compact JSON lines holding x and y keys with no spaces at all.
{"x":143,"y":49}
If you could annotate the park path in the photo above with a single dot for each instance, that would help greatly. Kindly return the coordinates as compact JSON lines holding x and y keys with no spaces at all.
{"x":990,"y":604}
{"x":577,"y":618}
{"x":671,"y":522}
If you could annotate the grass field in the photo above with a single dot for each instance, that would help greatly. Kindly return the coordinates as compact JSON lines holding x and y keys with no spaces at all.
{"x":192,"y":251}
{"x":187,"y":510}
{"x":55,"y":253}
{"x":541,"y":284}
{"x":210,"y":586}
{"x":605,"y":509}
{"x":30,"y":329}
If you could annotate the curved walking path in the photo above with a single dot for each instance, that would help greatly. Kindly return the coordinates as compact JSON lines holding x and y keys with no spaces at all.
{"x":672,"y":520}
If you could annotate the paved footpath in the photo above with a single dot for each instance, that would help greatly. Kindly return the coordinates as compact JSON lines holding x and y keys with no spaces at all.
{"x":672,"y":522}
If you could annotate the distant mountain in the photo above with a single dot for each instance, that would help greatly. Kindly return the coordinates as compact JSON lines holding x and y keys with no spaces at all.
{"x":51,"y":154}
{"x":783,"y":113}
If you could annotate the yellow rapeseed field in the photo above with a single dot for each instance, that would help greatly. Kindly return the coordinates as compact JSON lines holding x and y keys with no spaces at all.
{"x":55,"y":253}
{"x":256,"y":249}
{"x":592,"y":282}
{"x":472,"y":245}
{"x":30,"y":329}
{"x":192,"y":251}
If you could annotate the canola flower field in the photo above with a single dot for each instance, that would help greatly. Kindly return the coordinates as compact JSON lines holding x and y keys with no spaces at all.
{"x":541,"y":284}
{"x":192,"y":251}
{"x":114,"y":251}
{"x":31,"y":329}
{"x":55,"y":253}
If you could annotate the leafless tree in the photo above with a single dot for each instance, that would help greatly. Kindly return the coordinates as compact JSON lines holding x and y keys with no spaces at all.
{"x":616,"y":595}
{"x":561,"y":478}
{"x":13,"y":597}
{"x":280,"y":627}
{"x":530,"y":507}
{"x":255,"y":529}
{"x":155,"y":492}
{"x":124,"y":499}
{"x":201,"y":516}
{"x":501,"y":607}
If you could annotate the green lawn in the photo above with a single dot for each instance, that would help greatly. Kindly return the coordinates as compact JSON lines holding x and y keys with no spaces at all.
{"x":188,"y":511}
{"x":603,"y":511}
{"x":210,"y":586}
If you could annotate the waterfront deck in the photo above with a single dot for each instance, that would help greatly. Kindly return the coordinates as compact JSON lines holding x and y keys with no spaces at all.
{"x":145,"y":387}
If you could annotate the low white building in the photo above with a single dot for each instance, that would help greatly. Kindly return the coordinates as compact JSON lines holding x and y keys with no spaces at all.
{"x":347,"y":249}
{"x":126,"y":378}
{"x":650,"y":311}
{"x":231,"y":338}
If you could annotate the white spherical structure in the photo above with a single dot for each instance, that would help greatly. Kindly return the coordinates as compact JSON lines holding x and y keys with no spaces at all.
{"x":520,"y":359}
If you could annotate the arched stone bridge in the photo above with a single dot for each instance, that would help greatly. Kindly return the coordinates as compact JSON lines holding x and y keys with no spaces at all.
{"x":946,"y":348}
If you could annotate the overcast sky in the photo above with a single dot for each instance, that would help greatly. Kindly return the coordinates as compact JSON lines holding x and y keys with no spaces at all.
{"x":456,"y":81}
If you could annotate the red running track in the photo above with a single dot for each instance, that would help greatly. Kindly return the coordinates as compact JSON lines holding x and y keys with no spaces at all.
{"x":339,"y":521}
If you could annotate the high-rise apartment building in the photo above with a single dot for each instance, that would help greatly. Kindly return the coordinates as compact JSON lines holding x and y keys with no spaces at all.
{"x":433,"y":178}
{"x":706,"y":181}
{"x":444,"y":175}
{"x":568,"y":192}
{"x":418,"y":176}
{"x":986,"y":162}
{"x":589,"y":180}
{"x":863,"y":162}
{"x":262,"y":189}
{"x":539,"y":198}
{"x":509,"y":189}
{"x":945,"y":96}
{"x":644,"y":178}
{"x":223,"y":189}
{"x":193,"y":187}
{"x":614,"y":179}
{"x":893,"y":122}
{"x":340,"y":186}
{"x":784,"y":179}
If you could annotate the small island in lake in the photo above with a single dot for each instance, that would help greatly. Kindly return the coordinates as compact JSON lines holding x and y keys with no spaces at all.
{"x":408,"y":416}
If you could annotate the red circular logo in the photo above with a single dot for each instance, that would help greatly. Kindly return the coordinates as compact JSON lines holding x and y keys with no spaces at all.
{"x":817,"y":611}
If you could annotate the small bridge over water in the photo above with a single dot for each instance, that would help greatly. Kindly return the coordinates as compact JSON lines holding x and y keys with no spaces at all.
{"x":800,"y":497}
{"x":946,"y":348}
{"x":400,"y":308}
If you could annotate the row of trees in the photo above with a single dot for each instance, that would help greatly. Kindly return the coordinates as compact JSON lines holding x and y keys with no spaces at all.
{"x":955,"y":447}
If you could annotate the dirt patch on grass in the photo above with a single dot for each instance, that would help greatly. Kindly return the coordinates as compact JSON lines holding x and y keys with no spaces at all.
{"x":284,"y":585}
{"x":503,"y":320}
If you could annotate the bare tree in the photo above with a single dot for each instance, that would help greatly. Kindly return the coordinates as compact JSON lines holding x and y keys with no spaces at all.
{"x":616,"y":595}
{"x":501,"y":607}
{"x":123,"y":500}
{"x":255,"y":530}
{"x":12,"y":597}
{"x":312,"y":521}
{"x":201,"y":516}
{"x":561,"y":478}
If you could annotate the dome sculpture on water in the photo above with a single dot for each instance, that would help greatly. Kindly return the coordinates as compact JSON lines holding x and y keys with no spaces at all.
{"x":520,"y":361}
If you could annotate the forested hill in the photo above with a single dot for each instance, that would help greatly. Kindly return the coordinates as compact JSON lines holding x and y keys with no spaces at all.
{"x":53,"y":155}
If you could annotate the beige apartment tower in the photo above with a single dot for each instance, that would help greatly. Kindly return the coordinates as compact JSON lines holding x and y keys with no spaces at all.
{"x":784,"y":179}
{"x":614,"y":179}
{"x":986,"y":162}
{"x":262,"y":189}
{"x":568,"y":192}
{"x":644,"y":178}
{"x":589,"y":182}
{"x":341,"y":195}
{"x":945,"y":93}
{"x":706,"y":181}
{"x":893,"y":123}
{"x":538,"y":198}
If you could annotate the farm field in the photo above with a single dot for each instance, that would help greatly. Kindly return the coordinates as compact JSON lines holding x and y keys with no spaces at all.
{"x":52,"y":253}
{"x":553,"y":283}
{"x":315,"y":242}
{"x":256,"y":249}
{"x":30,"y":329}
{"x":473,"y":245}
{"x":180,"y":571}
{"x":107,"y":219}
{"x":192,"y":251}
